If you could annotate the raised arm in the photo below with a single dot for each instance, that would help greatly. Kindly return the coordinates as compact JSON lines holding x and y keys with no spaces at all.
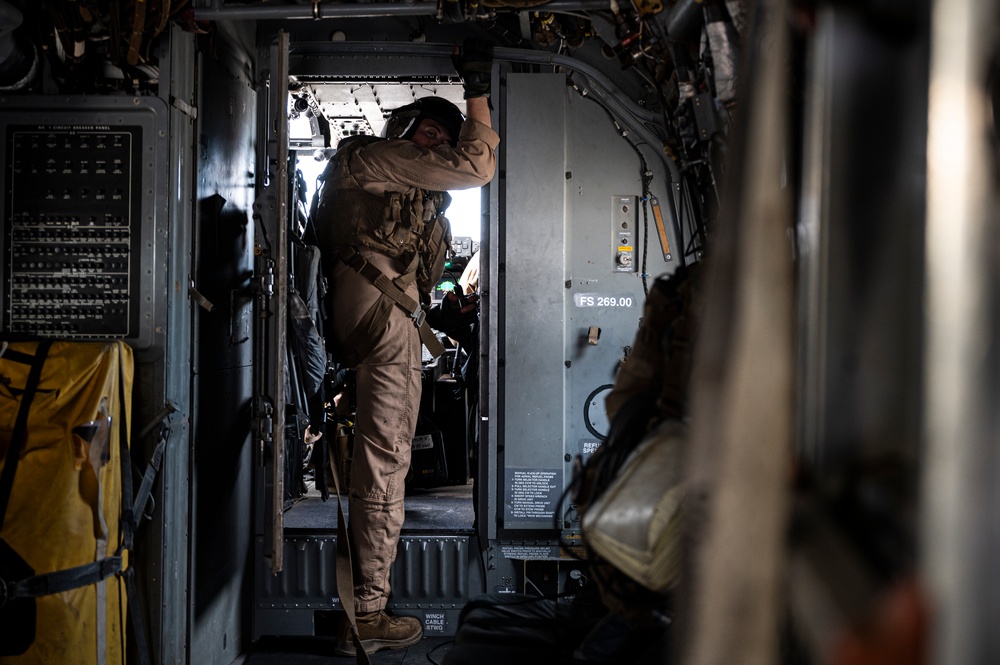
{"x":478,"y":109}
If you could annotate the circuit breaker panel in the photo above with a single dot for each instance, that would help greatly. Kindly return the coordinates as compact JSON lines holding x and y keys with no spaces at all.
{"x":83,"y":184}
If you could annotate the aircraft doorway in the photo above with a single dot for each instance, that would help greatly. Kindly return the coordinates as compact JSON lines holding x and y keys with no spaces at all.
{"x":439,"y":484}
{"x":560,"y":306}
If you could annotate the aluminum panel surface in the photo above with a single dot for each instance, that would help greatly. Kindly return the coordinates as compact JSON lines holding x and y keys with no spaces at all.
{"x":531,"y":266}
{"x":574,"y":199}
{"x":222,"y":472}
{"x":604,"y":303}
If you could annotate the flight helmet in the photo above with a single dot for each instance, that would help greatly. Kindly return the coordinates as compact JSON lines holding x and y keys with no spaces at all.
{"x":403,"y":122}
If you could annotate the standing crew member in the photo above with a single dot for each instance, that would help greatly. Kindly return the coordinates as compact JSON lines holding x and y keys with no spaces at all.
{"x":382,"y":233}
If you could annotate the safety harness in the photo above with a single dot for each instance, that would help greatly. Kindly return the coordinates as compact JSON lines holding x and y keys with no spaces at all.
{"x":409,"y":227}
{"x":360,"y":341}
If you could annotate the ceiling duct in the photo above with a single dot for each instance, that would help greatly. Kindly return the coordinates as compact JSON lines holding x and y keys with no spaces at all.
{"x":220,"y":11}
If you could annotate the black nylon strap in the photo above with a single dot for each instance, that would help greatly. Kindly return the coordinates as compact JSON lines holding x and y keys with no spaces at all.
{"x":135,"y":607}
{"x":152,"y":469}
{"x":18,"y":356}
{"x":20,"y":433}
{"x":128,"y":523}
{"x":128,"y":516}
{"x":64,"y":580}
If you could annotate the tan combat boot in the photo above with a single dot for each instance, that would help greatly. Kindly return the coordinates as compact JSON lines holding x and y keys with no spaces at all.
{"x":378,"y":631}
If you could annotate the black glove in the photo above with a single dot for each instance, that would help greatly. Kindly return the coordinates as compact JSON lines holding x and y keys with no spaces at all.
{"x":454,"y":315}
{"x":474,"y":63}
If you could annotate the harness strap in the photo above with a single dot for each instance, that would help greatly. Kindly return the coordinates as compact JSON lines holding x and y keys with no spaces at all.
{"x":60,"y":580}
{"x":345,"y":567}
{"x":138,"y":631}
{"x":128,"y":522}
{"x":394,"y":291}
{"x":152,"y":469}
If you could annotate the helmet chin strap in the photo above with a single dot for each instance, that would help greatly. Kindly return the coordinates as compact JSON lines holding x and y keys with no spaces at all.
{"x":399,"y":124}
{"x":410,"y":126}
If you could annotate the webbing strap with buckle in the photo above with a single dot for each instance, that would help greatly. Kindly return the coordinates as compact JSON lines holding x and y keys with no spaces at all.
{"x":60,"y":580}
{"x":352,"y":257}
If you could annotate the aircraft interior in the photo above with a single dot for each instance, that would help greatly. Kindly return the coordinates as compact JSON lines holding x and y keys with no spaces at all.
{"x":719,"y":361}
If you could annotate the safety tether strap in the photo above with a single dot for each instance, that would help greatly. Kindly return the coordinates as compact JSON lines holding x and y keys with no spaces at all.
{"x":345,"y":567}
{"x":152,"y":469}
{"x":394,"y":291}
{"x":64,"y":580}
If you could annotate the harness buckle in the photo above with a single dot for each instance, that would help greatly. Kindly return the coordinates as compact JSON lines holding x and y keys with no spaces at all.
{"x":418,"y":315}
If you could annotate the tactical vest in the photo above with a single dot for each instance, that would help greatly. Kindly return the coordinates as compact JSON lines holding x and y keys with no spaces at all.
{"x":411,"y":229}
{"x":394,"y":224}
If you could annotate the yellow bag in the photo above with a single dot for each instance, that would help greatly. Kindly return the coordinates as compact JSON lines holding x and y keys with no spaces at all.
{"x":62,"y":494}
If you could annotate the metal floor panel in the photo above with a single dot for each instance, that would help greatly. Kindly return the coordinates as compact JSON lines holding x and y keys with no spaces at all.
{"x":316,"y":651}
{"x":434,"y":575}
{"x":445,"y":510}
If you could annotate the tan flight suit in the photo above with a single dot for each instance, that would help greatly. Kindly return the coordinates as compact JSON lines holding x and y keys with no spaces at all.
{"x":388,"y":377}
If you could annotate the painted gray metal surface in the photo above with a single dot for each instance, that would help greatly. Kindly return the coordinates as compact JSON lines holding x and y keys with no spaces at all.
{"x":169,"y":599}
{"x":534,"y":296}
{"x":569,"y":313}
{"x":222,"y":459}
{"x":275,"y":221}
{"x":430,"y":580}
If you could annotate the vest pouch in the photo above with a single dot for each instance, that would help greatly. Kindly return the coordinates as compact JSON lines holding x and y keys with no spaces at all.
{"x":18,"y":616}
{"x":352,"y":217}
{"x":435,"y":245}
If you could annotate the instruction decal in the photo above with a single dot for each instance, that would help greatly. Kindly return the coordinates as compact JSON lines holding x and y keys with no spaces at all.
{"x":434,"y":622}
{"x":532,"y":495}
{"x":530,"y":552}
